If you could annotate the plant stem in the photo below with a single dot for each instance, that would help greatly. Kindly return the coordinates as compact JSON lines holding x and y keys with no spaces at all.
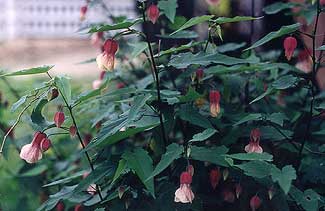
{"x":313,"y":84}
{"x":156,"y":76}
{"x":79,"y":137}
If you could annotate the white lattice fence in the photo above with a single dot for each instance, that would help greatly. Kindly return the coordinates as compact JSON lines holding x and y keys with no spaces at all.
{"x":53,"y":18}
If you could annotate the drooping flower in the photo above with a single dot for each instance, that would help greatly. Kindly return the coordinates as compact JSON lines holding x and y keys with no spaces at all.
{"x":214,"y":177}
{"x":289,"y":44}
{"x":153,"y":13}
{"x":255,"y":203}
{"x":60,"y":206}
{"x":83,"y":11}
{"x":238,"y":190}
{"x":214,"y":103}
{"x":184,"y":193}
{"x":87,"y":138}
{"x":213,"y":2}
{"x":254,"y":143}
{"x":32,"y":152}
{"x":305,"y":63}
{"x":228,"y":196}
{"x":106,"y":60}
{"x":72,"y":131}
{"x":59,"y":118}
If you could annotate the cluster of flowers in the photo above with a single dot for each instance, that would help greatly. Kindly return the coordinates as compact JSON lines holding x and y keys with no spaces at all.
{"x":184,"y":193}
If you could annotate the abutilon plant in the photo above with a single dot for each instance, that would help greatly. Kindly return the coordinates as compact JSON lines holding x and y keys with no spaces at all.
{"x":254,"y":143}
{"x":214,"y":97}
{"x":289,"y":45}
{"x":153,"y":13}
{"x":106,"y":60}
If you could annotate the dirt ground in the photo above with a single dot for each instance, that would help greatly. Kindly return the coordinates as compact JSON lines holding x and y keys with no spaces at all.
{"x":65,"y":54}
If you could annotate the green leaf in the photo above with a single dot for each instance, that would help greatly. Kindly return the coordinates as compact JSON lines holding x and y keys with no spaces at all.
{"x":189,"y":114}
{"x":141,"y":163}
{"x":138,"y":48}
{"x":66,"y":179}
{"x":222,"y":20}
{"x":230,"y":47}
{"x":173,"y":152}
{"x":183,"y":60}
{"x":214,"y":155}
{"x":277,"y":118}
{"x":31,"y":71}
{"x":278,"y":7}
{"x":267,"y":92}
{"x":207,"y":133}
{"x":309,"y":199}
{"x":252,"y":156}
{"x":193,"y":21}
{"x":168,"y":7}
{"x":122,"y":25}
{"x":120,"y":169}
{"x":17,"y":104}
{"x":36,"y":115}
{"x":249,"y":117}
{"x":273,"y":35}
{"x":37,"y":170}
{"x":219,"y":32}
{"x":63,"y":84}
{"x":258,"y":169}
{"x":190,"y":96}
{"x":285,"y":82}
{"x":185,"y":34}
{"x":284,"y":177}
{"x":138,"y":104}
{"x":180,"y":48}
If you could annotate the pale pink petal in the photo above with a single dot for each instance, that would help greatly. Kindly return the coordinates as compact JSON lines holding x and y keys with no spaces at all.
{"x":31,"y":154}
{"x":97,"y":84}
{"x":184,"y":194}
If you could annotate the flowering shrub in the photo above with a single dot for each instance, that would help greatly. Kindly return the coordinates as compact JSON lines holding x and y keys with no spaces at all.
{"x":196,"y":126}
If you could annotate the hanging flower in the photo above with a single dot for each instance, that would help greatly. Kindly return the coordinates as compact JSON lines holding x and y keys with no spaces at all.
{"x":153,"y":13}
{"x":83,"y":11}
{"x":289,"y":44}
{"x":59,"y":118}
{"x":59,"y":206}
{"x":213,"y":2}
{"x":106,"y":60}
{"x":305,"y":63}
{"x":255,"y":203}
{"x":214,"y":103}
{"x":228,"y":196}
{"x":254,"y":143}
{"x":32,"y":152}
{"x":52,"y":94}
{"x":184,"y":193}
{"x":238,"y":190}
{"x":214,"y":177}
{"x":72,"y":131}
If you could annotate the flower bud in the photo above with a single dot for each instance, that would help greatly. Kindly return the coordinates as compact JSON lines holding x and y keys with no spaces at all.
{"x":214,"y":103}
{"x":106,"y":60}
{"x":270,"y":192}
{"x":59,"y":206}
{"x":153,"y":13}
{"x":59,"y":118}
{"x":228,"y":196}
{"x":73,"y":131}
{"x":79,"y":207}
{"x":289,"y":44}
{"x":83,"y":11}
{"x":214,"y":177}
{"x":255,"y":203}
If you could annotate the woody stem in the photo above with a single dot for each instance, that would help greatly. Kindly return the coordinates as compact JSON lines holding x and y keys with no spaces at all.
{"x":156,"y":77}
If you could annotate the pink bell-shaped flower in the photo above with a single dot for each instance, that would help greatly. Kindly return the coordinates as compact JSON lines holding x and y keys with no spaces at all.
{"x":289,"y":44}
{"x":106,"y":60}
{"x":59,"y":118}
{"x":32,"y":152}
{"x":184,"y":193}
{"x":254,"y":143}
{"x":214,"y":97}
{"x":153,"y":13}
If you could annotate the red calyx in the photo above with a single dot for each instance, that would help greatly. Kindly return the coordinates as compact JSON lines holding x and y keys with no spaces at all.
{"x":289,"y":44}
{"x":153,"y":13}
{"x":214,"y":96}
{"x":185,"y":178}
{"x":59,"y":118}
{"x":110,"y":46}
{"x":214,"y":177}
{"x":255,"y":203}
